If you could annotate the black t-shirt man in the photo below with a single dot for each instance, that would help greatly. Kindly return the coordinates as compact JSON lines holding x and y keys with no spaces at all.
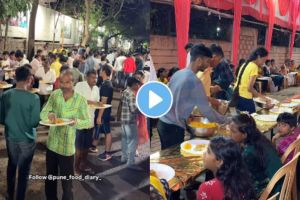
{"x":106,"y":90}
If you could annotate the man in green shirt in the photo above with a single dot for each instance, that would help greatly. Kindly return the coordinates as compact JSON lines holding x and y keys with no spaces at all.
{"x":19,"y":112}
{"x":63,"y":103}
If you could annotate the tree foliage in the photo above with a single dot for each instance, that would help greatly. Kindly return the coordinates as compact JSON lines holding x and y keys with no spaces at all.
{"x":11,"y":8}
{"x":129,"y":18}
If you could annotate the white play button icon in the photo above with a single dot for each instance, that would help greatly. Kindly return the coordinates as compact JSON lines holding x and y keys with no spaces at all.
{"x":154,"y":99}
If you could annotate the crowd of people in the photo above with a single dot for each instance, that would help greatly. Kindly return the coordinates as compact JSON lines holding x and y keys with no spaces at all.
{"x":275,"y":78}
{"x":242,"y":165}
{"x":67,"y":83}
{"x":219,"y":78}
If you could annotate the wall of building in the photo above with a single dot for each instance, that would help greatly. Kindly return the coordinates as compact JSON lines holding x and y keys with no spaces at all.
{"x":44,"y":29}
{"x":164,"y":48}
{"x":45,"y":26}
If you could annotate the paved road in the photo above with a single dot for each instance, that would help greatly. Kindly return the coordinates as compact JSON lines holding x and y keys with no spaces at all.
{"x":117,"y":181}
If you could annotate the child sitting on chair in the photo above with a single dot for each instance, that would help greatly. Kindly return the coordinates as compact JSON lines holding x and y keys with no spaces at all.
{"x":288,"y":131}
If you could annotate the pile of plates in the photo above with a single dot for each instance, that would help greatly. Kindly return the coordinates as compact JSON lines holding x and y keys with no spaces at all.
{"x":266,"y":118}
{"x":259,"y":100}
{"x":279,"y":110}
{"x":296,"y":101}
{"x":290,"y":105}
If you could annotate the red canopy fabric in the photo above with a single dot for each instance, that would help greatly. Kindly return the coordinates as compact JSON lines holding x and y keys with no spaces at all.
{"x":286,"y":7}
{"x":247,"y":10}
{"x":283,"y":7}
{"x":182,"y":14}
{"x":219,"y":4}
{"x":295,"y":14}
{"x":236,"y":30}
{"x":261,"y":8}
{"x":251,"y":1}
{"x":271,"y":6}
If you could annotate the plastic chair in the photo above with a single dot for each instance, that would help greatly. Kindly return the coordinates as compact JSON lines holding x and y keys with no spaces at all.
{"x":294,"y":147}
{"x":288,"y":173}
{"x":274,"y":197}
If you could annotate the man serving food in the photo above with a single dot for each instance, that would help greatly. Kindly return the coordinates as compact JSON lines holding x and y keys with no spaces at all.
{"x":188,"y":92}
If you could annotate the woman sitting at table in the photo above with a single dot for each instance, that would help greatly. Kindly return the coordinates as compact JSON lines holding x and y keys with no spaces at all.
{"x":275,"y":81}
{"x":232,"y":180}
{"x":258,"y":153}
{"x":246,"y":79}
{"x":289,"y":77}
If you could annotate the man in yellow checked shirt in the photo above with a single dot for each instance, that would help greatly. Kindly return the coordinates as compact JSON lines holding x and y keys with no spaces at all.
{"x":63,"y":103}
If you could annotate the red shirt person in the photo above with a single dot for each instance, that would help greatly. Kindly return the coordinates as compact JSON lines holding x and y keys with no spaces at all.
{"x":129,"y":65}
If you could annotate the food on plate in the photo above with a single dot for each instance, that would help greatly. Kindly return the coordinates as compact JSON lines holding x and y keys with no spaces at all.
{"x":261,"y":100}
{"x":153,"y":173}
{"x":202,"y":125}
{"x":57,"y":121}
{"x":96,"y":104}
{"x":187,"y":146}
{"x":2,"y":83}
{"x":200,"y":147}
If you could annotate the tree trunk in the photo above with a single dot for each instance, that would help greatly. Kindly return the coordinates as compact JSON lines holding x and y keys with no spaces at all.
{"x":107,"y":38}
{"x":31,"y":34}
{"x":54,"y":32}
{"x":1,"y":38}
{"x":86,"y":31}
{"x":6,"y":33}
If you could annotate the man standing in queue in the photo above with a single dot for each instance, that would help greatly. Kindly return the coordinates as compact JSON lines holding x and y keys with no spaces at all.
{"x":63,"y":103}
